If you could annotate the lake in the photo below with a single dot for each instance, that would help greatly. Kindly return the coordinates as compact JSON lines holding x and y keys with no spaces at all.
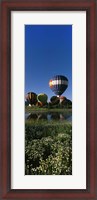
{"x":49,"y":116}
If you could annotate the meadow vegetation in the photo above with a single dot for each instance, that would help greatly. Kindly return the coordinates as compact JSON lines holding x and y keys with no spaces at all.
{"x":48,"y":147}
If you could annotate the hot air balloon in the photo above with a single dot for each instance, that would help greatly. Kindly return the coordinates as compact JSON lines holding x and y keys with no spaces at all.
{"x":31,"y":97}
{"x":58,"y":84}
{"x":54,"y":100}
{"x":42,"y":98}
{"x":39,"y":104}
{"x":62,"y":100}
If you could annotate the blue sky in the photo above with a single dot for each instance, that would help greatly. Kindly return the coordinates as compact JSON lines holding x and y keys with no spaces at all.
{"x":48,"y":52}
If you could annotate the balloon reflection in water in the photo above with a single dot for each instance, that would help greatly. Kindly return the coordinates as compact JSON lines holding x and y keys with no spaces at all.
{"x":48,"y":116}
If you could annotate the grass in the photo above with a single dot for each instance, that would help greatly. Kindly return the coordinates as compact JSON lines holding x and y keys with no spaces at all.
{"x":42,"y":109}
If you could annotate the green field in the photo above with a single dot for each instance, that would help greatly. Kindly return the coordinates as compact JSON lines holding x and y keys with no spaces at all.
{"x":48,"y":146}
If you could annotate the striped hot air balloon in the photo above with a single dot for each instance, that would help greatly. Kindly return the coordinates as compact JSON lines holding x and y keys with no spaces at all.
{"x":58,"y":84}
{"x":31,"y":97}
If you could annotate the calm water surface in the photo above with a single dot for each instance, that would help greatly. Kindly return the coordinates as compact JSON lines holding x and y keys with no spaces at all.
{"x":49,"y":116}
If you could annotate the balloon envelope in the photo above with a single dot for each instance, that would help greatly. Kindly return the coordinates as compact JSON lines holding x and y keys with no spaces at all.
{"x":62,"y":99}
{"x":31,"y":97}
{"x":58,"y":84}
{"x":42,"y":98}
{"x":54,"y":100}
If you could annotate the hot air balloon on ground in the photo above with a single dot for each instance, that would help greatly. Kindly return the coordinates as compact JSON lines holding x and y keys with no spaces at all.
{"x":39,"y":104}
{"x":42,"y":98}
{"x":62,"y":100}
{"x":54,"y":100}
{"x":31,"y":98}
{"x":58,"y":84}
